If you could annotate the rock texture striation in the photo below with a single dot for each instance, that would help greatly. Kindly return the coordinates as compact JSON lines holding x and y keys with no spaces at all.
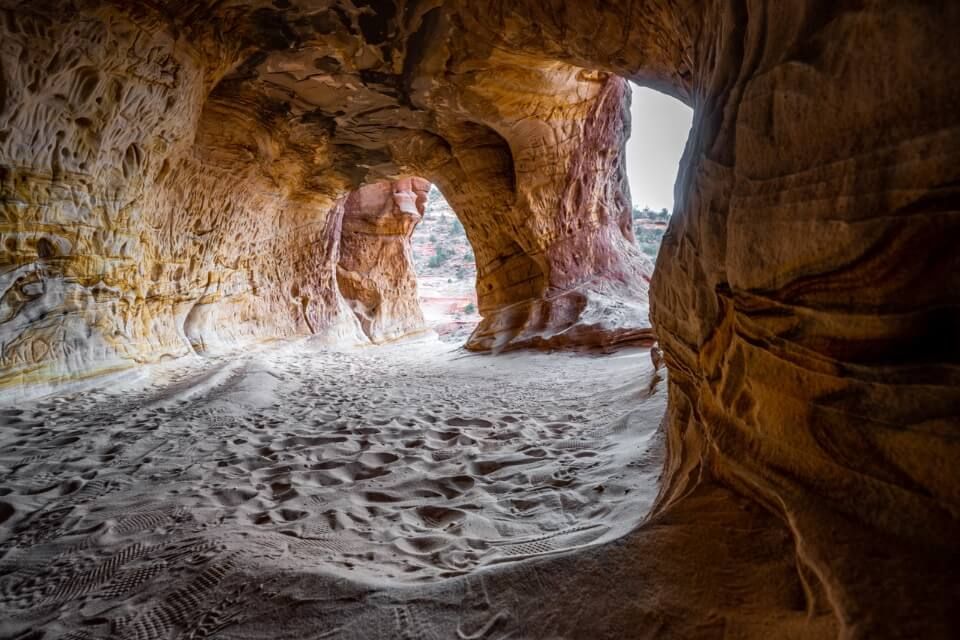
{"x":172,"y":174}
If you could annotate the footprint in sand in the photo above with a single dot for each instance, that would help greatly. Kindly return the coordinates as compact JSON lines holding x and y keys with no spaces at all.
{"x":162,"y":508}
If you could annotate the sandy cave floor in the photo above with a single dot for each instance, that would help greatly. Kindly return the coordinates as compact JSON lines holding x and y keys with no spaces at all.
{"x":142,"y":508}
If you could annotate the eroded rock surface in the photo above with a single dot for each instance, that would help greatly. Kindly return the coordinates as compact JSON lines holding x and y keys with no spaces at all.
{"x":375,"y":272}
{"x":170,"y":173}
{"x":171,"y":177}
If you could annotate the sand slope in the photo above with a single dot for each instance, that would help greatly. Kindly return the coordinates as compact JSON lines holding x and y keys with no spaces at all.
{"x":179,"y":506}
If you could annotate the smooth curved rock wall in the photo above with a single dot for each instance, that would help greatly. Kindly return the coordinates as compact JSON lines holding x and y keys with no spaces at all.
{"x":805,"y":285}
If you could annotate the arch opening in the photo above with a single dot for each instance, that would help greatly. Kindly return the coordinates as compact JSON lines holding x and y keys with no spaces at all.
{"x":660,"y":128}
{"x":405,"y":264}
{"x":446,"y":271}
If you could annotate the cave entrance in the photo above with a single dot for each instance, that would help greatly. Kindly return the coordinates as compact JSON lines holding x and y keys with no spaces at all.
{"x":405,"y":263}
{"x":446,"y":271}
{"x":660,"y":127}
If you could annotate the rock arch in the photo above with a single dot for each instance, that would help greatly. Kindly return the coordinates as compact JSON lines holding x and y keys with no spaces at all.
{"x":375,"y":271}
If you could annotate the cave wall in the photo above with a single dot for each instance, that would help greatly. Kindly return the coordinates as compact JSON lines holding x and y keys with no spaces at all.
{"x":172,"y":176}
{"x":375,"y":270}
{"x":576,"y":277}
{"x":803,"y":293}
{"x":141,"y":217}
{"x":806,"y":290}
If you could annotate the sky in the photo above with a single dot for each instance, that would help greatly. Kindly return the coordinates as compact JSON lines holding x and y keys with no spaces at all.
{"x":659,"y":131}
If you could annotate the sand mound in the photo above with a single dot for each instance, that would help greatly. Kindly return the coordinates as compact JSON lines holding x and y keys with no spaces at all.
{"x":139,"y":511}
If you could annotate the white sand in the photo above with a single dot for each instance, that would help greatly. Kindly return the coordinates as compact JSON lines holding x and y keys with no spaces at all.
{"x":180,"y":501}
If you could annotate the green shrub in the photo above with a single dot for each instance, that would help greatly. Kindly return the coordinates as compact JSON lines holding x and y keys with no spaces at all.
{"x":440,"y":256}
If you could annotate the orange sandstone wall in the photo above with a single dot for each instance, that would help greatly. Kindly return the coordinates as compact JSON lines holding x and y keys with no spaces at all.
{"x":375,"y":272}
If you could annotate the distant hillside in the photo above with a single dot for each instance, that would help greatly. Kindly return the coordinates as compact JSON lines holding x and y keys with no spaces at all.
{"x":649,"y":227}
{"x":440,"y":246}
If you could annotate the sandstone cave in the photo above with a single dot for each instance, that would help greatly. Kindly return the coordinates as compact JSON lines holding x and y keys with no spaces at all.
{"x":222,"y":417}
